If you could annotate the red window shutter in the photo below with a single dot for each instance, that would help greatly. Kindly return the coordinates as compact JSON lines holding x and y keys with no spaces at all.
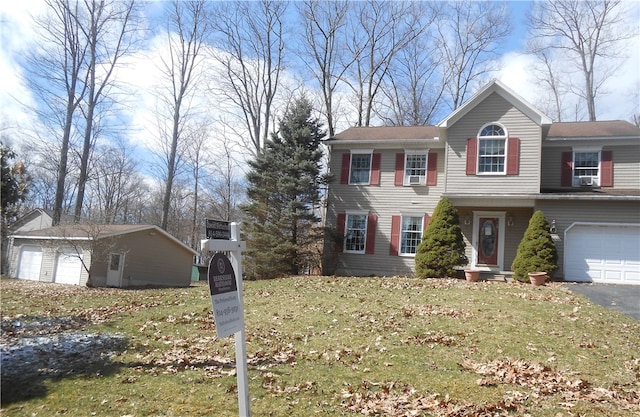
{"x":513,"y":156}
{"x":425,"y":223}
{"x":566,"y":175}
{"x":395,"y":235}
{"x":399,"y":179}
{"x":606,"y":166}
{"x":375,"y":169}
{"x":342,"y":219}
{"x":370,"y":244}
{"x":432,"y":168}
{"x":344,"y":170}
{"x":472,"y":155}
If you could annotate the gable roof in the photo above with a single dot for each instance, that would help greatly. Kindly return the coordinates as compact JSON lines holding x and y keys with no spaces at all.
{"x":610,"y":129}
{"x":499,"y":88}
{"x":97,"y":231}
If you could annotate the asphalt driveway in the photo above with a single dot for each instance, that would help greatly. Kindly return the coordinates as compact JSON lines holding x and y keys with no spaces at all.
{"x":623,"y":298}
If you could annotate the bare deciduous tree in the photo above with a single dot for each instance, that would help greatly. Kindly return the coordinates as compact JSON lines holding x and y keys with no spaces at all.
{"x":378,"y":33}
{"x":56,"y":75}
{"x":249,"y":50}
{"x":323,"y":50}
{"x":107,"y":27}
{"x":589,"y":34}
{"x":469,"y":36}
{"x":188,"y":28}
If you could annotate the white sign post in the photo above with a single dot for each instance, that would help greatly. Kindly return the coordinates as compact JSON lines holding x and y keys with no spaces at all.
{"x":228,"y":304}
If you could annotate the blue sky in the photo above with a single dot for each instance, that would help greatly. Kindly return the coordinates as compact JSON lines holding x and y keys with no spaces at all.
{"x":16,"y":36}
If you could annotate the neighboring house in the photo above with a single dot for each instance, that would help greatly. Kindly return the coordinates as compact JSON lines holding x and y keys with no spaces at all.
{"x":497,"y":159}
{"x":36,"y":219}
{"x":114,"y":255}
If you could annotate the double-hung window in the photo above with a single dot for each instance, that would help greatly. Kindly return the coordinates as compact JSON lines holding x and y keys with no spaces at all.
{"x":360,"y":168}
{"x":410,"y":234}
{"x":492,"y":150}
{"x":355,"y":233}
{"x":415,"y":168}
{"x":586,"y":167}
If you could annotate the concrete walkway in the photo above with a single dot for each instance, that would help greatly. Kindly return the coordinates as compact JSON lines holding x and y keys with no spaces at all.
{"x":623,"y":298}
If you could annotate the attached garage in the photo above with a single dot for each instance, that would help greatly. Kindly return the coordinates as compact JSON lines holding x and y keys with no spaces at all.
{"x":68,"y":268}
{"x":30,"y":262}
{"x":602,"y":253}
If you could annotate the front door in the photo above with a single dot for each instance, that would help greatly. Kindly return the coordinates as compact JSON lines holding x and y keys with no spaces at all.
{"x":488,"y":240}
{"x":114,"y":271}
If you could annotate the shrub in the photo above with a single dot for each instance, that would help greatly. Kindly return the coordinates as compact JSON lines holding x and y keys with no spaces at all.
{"x":442,"y":247}
{"x":536,"y":251}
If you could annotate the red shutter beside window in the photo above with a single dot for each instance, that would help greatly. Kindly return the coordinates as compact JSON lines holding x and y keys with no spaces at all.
{"x":425,"y":223}
{"x":566,"y":174}
{"x":340,"y":226}
{"x":399,"y":179}
{"x":432,"y":168}
{"x":395,"y":235}
{"x":344,"y":170}
{"x":606,"y":166}
{"x":375,"y":169}
{"x":472,"y":155}
{"x":370,"y":244}
{"x":513,"y":156}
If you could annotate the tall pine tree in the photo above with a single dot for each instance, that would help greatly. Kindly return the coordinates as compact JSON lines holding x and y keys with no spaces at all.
{"x":285,"y":180}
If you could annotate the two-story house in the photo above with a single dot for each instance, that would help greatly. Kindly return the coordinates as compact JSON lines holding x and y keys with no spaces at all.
{"x":498,"y":159}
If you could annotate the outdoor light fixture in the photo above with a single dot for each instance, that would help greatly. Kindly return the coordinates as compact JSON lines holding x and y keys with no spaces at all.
{"x":467,"y":220}
{"x":553,"y":228}
{"x":510,"y":221}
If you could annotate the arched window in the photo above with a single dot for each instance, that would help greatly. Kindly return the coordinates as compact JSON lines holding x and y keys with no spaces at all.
{"x":492,"y":149}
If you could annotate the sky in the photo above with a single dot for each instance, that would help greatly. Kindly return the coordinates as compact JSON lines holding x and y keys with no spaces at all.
{"x":17,"y":36}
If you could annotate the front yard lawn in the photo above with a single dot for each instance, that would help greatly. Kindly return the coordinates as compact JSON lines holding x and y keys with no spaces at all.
{"x":319,"y":346}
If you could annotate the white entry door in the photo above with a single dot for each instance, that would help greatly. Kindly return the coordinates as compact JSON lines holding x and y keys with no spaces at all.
{"x":68,"y":268}
{"x":115,"y":269}
{"x":30,"y":263}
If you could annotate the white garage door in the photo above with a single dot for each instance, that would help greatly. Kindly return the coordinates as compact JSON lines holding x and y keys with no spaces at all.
{"x":603,"y":253}
{"x":30,"y":263}
{"x":68,"y":268}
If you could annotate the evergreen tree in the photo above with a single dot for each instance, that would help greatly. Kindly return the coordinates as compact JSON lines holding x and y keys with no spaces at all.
{"x":442,"y":247}
{"x":281,"y":224}
{"x":536,"y":251}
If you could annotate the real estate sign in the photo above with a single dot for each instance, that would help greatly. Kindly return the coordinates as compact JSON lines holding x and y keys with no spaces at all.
{"x":227,"y":310}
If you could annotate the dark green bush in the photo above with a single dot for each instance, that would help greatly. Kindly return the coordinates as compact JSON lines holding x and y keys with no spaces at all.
{"x":442,"y":246}
{"x":536,"y":251}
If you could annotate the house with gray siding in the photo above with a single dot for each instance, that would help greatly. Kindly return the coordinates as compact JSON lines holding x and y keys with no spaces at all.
{"x":498,"y":159}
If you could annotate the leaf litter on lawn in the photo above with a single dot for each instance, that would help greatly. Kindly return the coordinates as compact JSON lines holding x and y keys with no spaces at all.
{"x":325,"y":340}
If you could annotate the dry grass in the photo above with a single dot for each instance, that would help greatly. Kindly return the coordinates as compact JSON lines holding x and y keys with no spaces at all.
{"x":325,"y":346}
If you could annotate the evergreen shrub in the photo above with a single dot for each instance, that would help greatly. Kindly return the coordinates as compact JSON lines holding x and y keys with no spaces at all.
{"x":536,"y":251}
{"x":442,"y":247}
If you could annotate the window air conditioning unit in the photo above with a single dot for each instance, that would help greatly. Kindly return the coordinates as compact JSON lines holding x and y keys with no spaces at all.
{"x":414,"y":179}
{"x":586,"y":181}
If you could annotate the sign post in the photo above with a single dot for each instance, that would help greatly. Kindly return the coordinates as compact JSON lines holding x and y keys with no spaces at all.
{"x":227,"y":300}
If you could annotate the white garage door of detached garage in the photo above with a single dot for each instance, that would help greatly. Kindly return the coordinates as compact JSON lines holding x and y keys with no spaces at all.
{"x":603,"y":253}
{"x":68,"y":268}
{"x":30,"y":263}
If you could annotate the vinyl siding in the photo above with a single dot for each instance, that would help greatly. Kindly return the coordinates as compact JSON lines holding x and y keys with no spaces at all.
{"x":626,"y":165}
{"x":152,"y":259}
{"x":565,"y":213}
{"x":384,"y":200}
{"x":494,"y":109}
{"x":49,"y":259}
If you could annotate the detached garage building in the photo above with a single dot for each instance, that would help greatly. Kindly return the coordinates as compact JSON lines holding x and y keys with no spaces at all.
{"x":104,"y":255}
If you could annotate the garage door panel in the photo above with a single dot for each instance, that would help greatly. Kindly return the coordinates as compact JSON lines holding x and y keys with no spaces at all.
{"x":603,"y":253}
{"x":68,"y":268}
{"x":30,"y":263}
